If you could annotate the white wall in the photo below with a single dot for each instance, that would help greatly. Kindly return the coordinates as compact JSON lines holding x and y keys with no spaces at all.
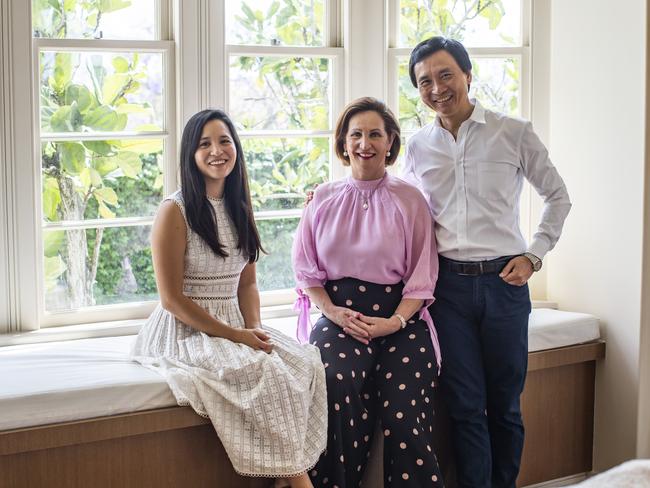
{"x":597,"y":134}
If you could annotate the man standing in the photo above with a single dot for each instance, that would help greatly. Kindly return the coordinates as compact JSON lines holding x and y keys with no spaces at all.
{"x":470,"y":164}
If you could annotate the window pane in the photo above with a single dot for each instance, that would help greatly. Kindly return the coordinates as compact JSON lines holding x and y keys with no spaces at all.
{"x":282,"y":170}
{"x":413,"y":114}
{"x":92,"y":92}
{"x":495,"y":83}
{"x":280,"y":93}
{"x":275,"y":22}
{"x":90,"y":267}
{"x":108,"y":19}
{"x":274,"y":270}
{"x":101,"y":179}
{"x":474,"y":23}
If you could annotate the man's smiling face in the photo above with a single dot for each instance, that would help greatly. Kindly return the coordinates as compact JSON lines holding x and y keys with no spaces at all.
{"x":443,"y":85}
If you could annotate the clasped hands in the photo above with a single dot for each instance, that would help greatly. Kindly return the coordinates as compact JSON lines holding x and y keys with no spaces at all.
{"x":362,"y":327}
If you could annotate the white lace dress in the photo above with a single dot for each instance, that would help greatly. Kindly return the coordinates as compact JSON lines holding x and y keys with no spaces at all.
{"x":269,"y":410}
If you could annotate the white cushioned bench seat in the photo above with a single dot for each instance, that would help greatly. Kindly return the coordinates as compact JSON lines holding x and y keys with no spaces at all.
{"x":75,"y":380}
{"x":549,"y":329}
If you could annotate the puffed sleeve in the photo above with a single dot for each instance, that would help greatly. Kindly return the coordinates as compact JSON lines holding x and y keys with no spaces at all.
{"x":421,"y":253}
{"x":306,"y":267}
{"x":421,"y":260}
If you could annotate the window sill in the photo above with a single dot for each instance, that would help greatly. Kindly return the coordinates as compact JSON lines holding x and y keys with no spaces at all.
{"x":275,"y":316}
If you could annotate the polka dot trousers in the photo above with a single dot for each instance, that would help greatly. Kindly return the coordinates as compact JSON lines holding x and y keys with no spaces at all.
{"x":390,"y":380}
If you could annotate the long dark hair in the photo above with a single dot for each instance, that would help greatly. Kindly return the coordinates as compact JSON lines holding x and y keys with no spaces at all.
{"x":237,"y":198}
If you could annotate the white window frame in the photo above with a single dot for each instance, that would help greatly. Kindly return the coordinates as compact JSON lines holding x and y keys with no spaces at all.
{"x":534,"y":45}
{"x":523,"y":53}
{"x":360,"y":39}
{"x":209,"y":88}
{"x":28,"y":274}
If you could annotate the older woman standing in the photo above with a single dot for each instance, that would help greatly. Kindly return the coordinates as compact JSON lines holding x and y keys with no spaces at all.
{"x":364,"y":253}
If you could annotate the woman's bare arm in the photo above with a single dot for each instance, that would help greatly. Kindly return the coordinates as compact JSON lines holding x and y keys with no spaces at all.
{"x":168,"y":244}
{"x":249,"y":297}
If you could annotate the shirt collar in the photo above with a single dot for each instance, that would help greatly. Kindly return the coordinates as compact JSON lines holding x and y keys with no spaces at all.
{"x":477,"y":115}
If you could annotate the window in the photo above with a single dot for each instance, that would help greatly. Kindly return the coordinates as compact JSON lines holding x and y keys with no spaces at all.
{"x":105,"y":137}
{"x":495,"y":34}
{"x":282,"y":92}
{"x":90,"y":146}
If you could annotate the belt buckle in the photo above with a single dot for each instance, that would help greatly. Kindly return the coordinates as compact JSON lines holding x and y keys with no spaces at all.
{"x":465,"y":266}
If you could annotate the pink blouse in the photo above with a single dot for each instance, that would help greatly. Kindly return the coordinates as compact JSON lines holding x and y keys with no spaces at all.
{"x":390,"y":241}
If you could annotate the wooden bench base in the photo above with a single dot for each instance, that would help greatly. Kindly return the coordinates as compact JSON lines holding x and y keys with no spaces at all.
{"x":174,"y":447}
{"x":558,"y":410}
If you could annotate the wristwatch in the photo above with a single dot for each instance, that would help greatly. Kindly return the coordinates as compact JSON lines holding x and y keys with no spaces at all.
{"x":534,"y":260}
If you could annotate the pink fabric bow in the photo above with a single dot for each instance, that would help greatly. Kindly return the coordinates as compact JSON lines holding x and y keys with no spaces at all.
{"x":302,"y":306}
{"x":424,"y":315}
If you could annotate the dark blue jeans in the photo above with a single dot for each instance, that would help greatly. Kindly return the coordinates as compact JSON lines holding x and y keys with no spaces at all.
{"x":482,"y":324}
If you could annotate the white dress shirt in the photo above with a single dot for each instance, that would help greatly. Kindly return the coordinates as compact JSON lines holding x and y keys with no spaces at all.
{"x":473,"y":185}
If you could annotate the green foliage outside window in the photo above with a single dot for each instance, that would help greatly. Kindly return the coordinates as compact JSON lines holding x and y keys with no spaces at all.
{"x":495,"y":80}
{"x":114,"y":92}
{"x":84,"y":92}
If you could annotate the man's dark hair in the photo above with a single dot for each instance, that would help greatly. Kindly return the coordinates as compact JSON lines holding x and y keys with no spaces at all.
{"x":434,"y":44}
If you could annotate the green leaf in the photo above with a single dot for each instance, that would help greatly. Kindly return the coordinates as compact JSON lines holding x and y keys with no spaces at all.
{"x":61,"y":119}
{"x":272,"y":9}
{"x":90,"y":177}
{"x":106,"y":6}
{"x":72,"y":156}
{"x":121,"y":121}
{"x":112,"y":87}
{"x":52,"y":242}
{"x":51,"y":198}
{"x":158,"y":184}
{"x":132,"y":108}
{"x":62,"y":72}
{"x":130,"y":163}
{"x":279,"y":176}
{"x":105,"y":212}
{"x":102,"y":118}
{"x":105,"y":195}
{"x":120,"y":64}
{"x":66,"y":118}
{"x":98,"y":147}
{"x":143,"y":146}
{"x":314,"y":154}
{"x":53,"y":267}
{"x":104,"y":166}
{"x":81,"y":95}
{"x":248,"y":12}
{"x":290,"y":155}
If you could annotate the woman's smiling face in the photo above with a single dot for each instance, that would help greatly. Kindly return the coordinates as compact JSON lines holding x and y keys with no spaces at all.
{"x":367,"y":143}
{"x":215,"y":155}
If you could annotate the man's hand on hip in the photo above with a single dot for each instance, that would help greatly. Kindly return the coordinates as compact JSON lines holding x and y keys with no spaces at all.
{"x":518,"y":271}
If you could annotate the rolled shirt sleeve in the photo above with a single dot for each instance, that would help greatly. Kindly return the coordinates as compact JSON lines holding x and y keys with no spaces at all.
{"x":548,"y":183}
